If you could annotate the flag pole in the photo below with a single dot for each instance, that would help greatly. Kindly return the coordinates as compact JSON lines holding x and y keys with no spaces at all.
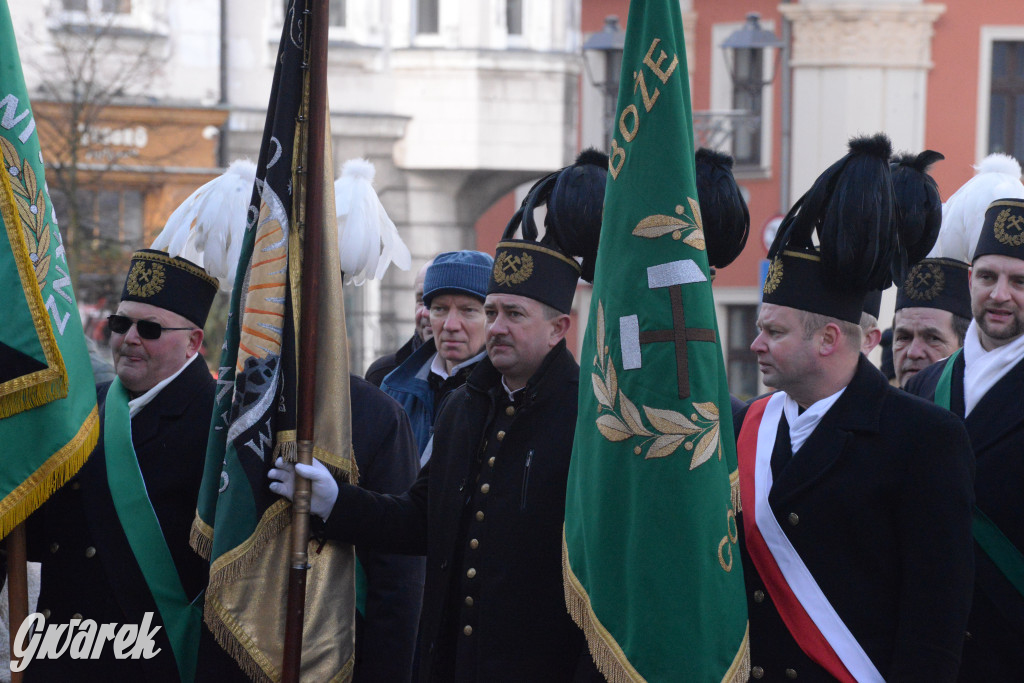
{"x":17,"y":588}
{"x":310,"y":175}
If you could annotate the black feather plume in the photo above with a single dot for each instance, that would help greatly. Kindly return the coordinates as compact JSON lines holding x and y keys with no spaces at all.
{"x":575,"y":206}
{"x":918,"y":209}
{"x":723,"y":212}
{"x":851,"y":208}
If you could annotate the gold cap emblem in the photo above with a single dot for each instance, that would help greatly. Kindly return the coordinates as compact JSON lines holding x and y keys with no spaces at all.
{"x":924,"y":282}
{"x":1009,"y":228}
{"x":774,"y":277}
{"x":145,"y":279}
{"x":513,"y":268}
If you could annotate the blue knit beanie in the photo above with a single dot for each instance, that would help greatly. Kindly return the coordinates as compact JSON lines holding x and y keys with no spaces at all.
{"x":458,"y":272}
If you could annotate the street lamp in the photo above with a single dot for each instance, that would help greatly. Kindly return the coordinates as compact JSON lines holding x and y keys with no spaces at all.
{"x":747,"y":46}
{"x":744,"y":52}
{"x":609,"y":43}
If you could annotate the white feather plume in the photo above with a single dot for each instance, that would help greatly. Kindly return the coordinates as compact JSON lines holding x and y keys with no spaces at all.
{"x":368,"y":241}
{"x":208,"y":227}
{"x":963,"y":214}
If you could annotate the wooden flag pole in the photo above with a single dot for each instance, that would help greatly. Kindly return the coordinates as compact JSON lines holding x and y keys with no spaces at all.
{"x":17,"y":588}
{"x":310,"y":176}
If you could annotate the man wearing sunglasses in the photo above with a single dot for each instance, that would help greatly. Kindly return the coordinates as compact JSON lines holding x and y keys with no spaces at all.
{"x":114,"y":542}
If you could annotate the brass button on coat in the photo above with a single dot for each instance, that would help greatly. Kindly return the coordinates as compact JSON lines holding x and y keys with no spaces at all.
{"x":794,"y":518}
{"x":46,"y":614}
{"x":501,"y":435}
{"x":469,"y":601}
{"x":756,"y":672}
{"x":479,"y":515}
{"x":474,"y":544}
{"x":510,"y":411}
{"x":76,"y":615}
{"x":471,"y":572}
{"x":486,"y":488}
{"x":54,"y":547}
{"x":791,"y":674}
{"x":490,"y":461}
{"x":467,"y":629}
{"x":758,"y":596}
{"x":90,"y":552}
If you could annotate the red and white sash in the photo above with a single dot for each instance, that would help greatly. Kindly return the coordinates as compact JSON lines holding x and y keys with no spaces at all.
{"x":805,"y":610}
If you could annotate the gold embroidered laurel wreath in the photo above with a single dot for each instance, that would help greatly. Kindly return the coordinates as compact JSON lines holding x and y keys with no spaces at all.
{"x":1005,"y":220}
{"x":668,"y":430}
{"x":513,"y":269}
{"x":145,"y":281}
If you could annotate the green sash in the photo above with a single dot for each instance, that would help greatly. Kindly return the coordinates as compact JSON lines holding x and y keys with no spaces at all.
{"x":992,"y":540}
{"x":181,"y":619}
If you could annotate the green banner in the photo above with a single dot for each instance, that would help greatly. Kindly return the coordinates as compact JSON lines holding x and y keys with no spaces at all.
{"x":652,"y":566}
{"x":48,"y":418}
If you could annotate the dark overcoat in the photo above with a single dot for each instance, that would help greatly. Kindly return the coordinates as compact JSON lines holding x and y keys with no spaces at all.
{"x":877,"y":503}
{"x":382,"y":367}
{"x":487,"y":510}
{"x":88,"y":569}
{"x":385,"y":452}
{"x":996,"y":428}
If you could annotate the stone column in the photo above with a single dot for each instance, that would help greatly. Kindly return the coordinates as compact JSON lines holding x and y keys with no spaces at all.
{"x":858,"y":68}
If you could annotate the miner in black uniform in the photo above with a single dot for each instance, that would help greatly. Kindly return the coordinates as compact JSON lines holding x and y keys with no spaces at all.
{"x":983,"y":383}
{"x":488,"y":508}
{"x":855,"y":524}
{"x":114,"y":541}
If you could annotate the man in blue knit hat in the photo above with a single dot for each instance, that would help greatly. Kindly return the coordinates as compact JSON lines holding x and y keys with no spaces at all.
{"x":454,"y":290}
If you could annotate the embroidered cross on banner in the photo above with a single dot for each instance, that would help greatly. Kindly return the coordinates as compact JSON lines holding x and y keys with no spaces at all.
{"x":671,"y":276}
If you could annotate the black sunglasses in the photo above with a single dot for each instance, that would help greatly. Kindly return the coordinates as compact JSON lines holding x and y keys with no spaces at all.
{"x":147,"y":329}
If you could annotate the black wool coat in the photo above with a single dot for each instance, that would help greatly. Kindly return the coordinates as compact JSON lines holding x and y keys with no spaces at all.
{"x":996,"y":428}
{"x":385,"y":452}
{"x":487,"y":510}
{"x":88,"y":569}
{"x":877,"y":503}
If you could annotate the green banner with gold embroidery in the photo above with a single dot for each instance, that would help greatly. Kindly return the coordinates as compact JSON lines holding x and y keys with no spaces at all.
{"x":48,"y":419}
{"x":651,"y":563}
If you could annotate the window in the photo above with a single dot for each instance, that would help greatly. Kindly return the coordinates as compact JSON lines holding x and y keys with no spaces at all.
{"x":427,"y":16}
{"x":104,"y":6}
{"x":514,"y":17}
{"x":112,"y":216}
{"x":337,"y":10}
{"x":746,"y":97}
{"x":1006,"y":99}
{"x":741,"y":367}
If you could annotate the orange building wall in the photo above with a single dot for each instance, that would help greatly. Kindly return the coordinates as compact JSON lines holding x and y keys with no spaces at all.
{"x":952,"y":116}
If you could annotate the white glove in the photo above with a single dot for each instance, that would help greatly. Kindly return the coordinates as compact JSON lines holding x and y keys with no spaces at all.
{"x":325,"y":489}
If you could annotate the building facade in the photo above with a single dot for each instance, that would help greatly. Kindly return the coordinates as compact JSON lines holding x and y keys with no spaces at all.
{"x":460,"y":104}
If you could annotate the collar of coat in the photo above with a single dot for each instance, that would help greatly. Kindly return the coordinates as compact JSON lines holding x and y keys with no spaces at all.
{"x":486,"y":378}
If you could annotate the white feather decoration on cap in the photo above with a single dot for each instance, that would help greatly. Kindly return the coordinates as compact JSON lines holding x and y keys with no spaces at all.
{"x":996,"y":177}
{"x":208,"y":227}
{"x":368,"y":241}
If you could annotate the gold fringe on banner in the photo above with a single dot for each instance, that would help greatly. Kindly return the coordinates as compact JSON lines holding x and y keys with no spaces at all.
{"x":51,"y":383}
{"x":609,"y":658}
{"x":58,"y":468}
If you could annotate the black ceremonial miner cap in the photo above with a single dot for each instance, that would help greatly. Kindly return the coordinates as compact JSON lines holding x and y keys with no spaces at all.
{"x":546,"y":270}
{"x":532,"y":270}
{"x":174,"y":284}
{"x":936,"y":283}
{"x":1002,"y":233}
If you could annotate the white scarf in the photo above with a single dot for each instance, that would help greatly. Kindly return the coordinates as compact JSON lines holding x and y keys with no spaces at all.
{"x":982,"y":369}
{"x":140,"y":402}
{"x":801,"y":425}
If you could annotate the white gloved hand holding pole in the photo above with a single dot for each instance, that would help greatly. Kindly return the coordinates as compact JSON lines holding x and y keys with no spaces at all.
{"x":324,"y":487}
